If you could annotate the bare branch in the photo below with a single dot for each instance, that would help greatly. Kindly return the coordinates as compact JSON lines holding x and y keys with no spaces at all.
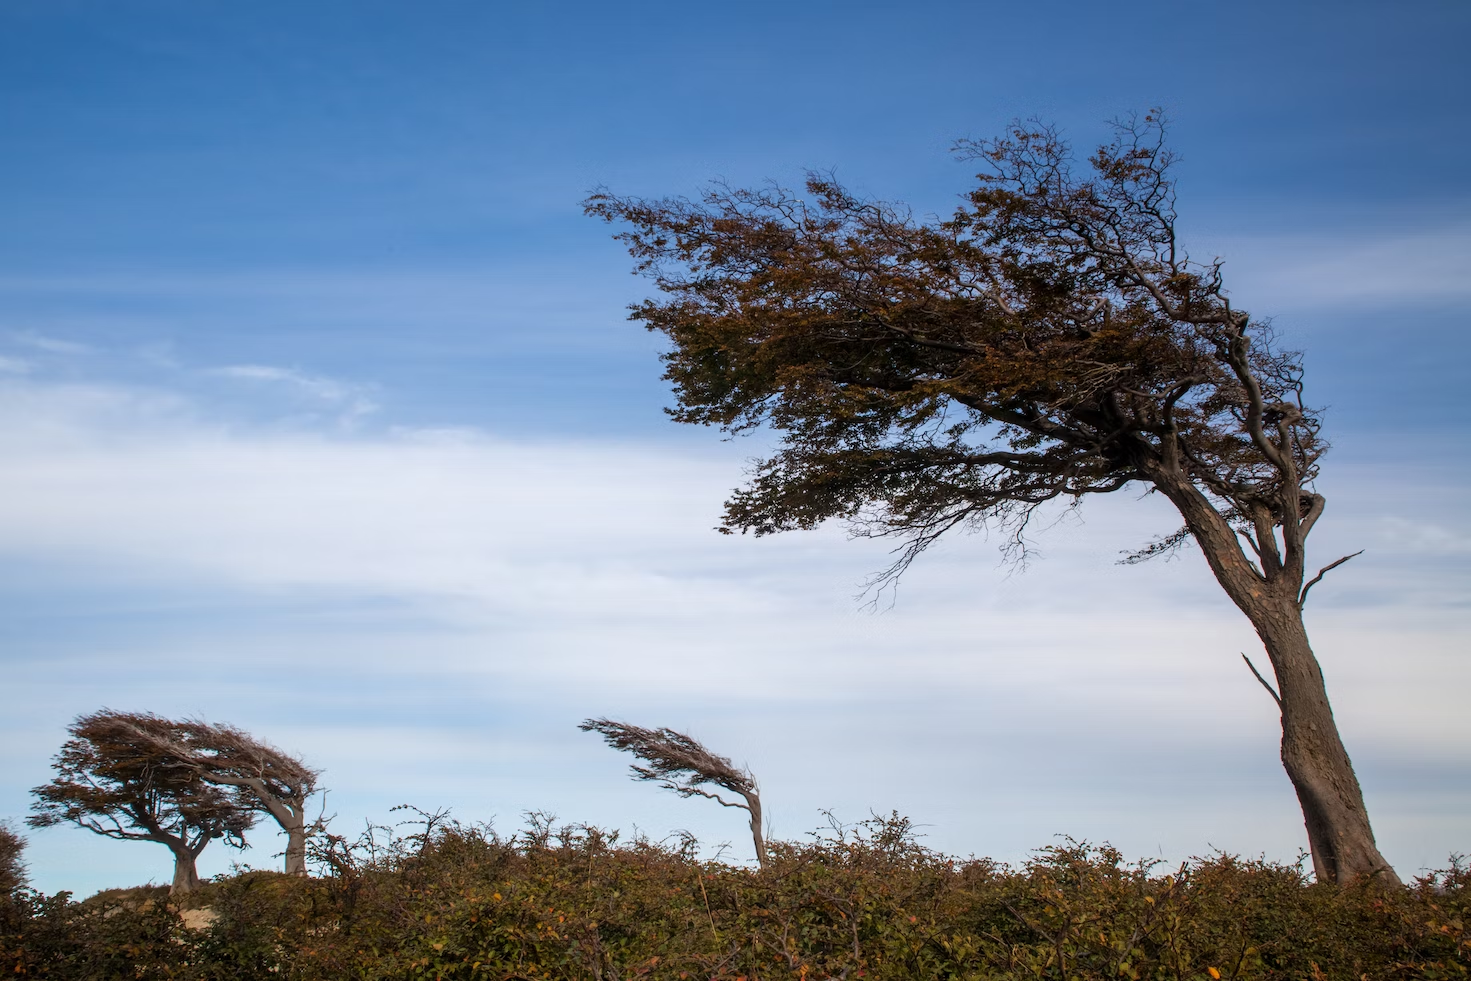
{"x":1302,"y":599}
{"x":1270,"y":690}
{"x":688,"y":791}
{"x":1168,"y":545}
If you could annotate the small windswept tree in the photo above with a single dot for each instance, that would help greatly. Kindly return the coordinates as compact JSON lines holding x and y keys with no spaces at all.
{"x":680,"y":763}
{"x":267,"y":779}
{"x":113,"y":780}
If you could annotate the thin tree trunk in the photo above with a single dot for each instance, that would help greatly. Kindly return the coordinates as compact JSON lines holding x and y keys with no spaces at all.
{"x":290,"y":814}
{"x":296,"y":845}
{"x":754,"y":806}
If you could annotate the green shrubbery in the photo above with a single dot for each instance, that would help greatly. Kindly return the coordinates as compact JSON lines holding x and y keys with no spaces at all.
{"x":451,"y":901}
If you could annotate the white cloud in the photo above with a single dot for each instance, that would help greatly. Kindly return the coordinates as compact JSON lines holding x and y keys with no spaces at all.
{"x":427,"y":613}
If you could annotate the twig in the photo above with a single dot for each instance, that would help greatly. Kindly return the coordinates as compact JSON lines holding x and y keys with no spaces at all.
{"x":1321,"y":573}
{"x":700,"y":876}
{"x":1270,"y":690}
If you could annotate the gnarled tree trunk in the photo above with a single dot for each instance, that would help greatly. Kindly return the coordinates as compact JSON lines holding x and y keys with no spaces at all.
{"x":291,"y":815}
{"x":1339,"y":835}
{"x":288,"y":812}
{"x":753,"y":805}
{"x":296,"y":847}
{"x":186,"y":871}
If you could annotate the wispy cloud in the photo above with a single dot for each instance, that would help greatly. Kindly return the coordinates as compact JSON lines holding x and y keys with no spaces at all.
{"x":526,"y":302}
{"x":1425,"y":537}
{"x":48,"y":344}
{"x":1349,"y":266}
{"x":351,"y":401}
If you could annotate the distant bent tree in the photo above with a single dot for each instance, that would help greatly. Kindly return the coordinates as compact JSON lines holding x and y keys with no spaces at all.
{"x":679,"y":763}
{"x":114,"y":781}
{"x":137,"y":776}
{"x":268,"y":779}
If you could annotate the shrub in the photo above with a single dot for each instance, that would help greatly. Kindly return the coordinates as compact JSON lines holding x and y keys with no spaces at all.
{"x":12,"y":869}
{"x":461,"y":902}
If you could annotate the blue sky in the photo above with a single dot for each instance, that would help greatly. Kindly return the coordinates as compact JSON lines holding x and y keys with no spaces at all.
{"x":322,"y":417}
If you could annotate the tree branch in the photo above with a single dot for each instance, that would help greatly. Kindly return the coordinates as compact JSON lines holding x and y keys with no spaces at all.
{"x":685,"y":791}
{"x":1270,"y":690}
{"x":1303,"y":598}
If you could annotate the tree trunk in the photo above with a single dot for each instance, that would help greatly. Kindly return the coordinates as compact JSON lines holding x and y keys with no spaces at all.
{"x":753,"y":803}
{"x":290,"y":814}
{"x":1339,"y":834}
{"x":186,"y":873}
{"x":296,"y":845}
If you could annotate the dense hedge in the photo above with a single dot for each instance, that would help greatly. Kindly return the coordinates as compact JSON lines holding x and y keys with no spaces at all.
{"x":450,"y":901}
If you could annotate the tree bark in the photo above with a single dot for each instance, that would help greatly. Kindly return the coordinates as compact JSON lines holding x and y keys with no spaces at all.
{"x":186,"y":872}
{"x":753,"y":805}
{"x":1339,"y":834}
{"x":288,"y":812}
{"x":296,"y":845}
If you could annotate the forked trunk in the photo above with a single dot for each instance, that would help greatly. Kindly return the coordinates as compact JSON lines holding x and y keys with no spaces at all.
{"x":186,"y":873}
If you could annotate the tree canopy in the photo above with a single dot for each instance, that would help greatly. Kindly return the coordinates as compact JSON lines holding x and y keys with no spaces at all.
{"x":1051,"y":340}
{"x":264,"y":778}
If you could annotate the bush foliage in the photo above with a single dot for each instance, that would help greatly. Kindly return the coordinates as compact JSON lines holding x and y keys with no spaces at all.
{"x":12,"y":868}
{"x":445,"y":900}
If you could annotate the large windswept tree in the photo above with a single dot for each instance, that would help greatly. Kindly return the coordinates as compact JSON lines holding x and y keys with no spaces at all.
{"x":1050,"y":341}
{"x":112,"y":779}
